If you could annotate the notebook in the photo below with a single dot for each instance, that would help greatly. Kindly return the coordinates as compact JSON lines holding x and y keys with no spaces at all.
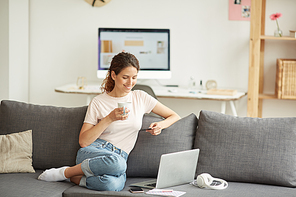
{"x":174,"y":169}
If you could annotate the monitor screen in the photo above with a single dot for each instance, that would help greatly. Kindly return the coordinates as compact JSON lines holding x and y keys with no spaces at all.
{"x":150,"y":46}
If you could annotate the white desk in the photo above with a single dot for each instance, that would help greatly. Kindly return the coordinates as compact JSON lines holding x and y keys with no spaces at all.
{"x":182,"y":93}
{"x":161,"y":92}
{"x":89,"y":90}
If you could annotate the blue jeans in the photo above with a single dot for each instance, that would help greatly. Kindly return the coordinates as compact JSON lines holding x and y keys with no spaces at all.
{"x":103,"y":165}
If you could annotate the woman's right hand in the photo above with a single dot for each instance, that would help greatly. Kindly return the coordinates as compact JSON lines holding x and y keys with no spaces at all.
{"x":117,"y":114}
{"x":89,"y":133}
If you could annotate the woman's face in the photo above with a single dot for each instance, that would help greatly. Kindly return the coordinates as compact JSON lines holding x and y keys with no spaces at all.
{"x":125,"y":80}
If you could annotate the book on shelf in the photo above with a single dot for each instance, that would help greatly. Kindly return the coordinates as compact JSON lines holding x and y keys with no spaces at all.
{"x":293,"y":33}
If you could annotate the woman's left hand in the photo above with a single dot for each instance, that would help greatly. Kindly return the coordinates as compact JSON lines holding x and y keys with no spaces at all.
{"x":155,"y":128}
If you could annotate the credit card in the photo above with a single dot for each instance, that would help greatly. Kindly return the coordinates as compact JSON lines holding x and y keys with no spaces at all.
{"x":145,"y":129}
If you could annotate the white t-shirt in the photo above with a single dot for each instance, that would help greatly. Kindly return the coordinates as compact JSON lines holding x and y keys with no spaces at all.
{"x":121,"y":133}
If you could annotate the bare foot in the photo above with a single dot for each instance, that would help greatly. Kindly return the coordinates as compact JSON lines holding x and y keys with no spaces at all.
{"x":76,"y":179}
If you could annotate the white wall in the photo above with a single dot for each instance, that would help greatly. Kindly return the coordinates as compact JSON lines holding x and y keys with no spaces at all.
{"x":14,"y":50}
{"x":4,"y":63}
{"x":204,"y":44}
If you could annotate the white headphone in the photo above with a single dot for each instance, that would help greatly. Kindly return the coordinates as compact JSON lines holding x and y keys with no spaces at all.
{"x":205,"y":180}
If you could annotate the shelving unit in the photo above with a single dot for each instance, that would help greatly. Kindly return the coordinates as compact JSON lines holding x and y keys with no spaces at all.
{"x":256,"y":59}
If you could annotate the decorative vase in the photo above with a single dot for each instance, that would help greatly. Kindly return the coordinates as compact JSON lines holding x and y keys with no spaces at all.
{"x":278,"y":32}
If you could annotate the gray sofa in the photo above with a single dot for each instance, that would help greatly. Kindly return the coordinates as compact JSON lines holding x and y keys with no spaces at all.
{"x":256,"y":156}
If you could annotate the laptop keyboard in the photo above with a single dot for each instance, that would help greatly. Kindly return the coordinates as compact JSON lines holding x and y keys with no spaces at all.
{"x":151,"y":185}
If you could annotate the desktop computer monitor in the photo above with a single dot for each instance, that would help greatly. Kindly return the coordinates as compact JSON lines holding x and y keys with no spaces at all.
{"x":150,"y":46}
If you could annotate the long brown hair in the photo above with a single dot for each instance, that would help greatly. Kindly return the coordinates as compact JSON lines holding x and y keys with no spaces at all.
{"x":118,"y":63}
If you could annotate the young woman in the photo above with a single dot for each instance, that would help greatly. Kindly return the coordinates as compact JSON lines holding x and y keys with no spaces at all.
{"x":107,"y":136}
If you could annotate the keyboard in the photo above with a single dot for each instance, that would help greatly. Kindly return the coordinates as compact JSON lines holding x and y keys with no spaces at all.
{"x":151,"y":185}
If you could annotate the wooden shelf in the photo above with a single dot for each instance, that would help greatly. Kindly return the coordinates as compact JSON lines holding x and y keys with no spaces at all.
{"x":256,"y":58}
{"x":267,"y":96}
{"x":263,"y":37}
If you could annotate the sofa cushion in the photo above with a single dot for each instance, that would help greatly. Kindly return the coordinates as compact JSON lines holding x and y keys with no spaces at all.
{"x":27,"y":184}
{"x":16,"y":152}
{"x":258,"y":150}
{"x":234,"y":190}
{"x":144,"y":159}
{"x":55,"y":130}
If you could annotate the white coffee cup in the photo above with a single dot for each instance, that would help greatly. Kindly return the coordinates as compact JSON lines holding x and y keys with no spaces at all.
{"x":127,"y":105}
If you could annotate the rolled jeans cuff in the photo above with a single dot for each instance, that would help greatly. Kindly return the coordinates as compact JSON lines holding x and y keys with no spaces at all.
{"x":82,"y":182}
{"x":85,"y":168}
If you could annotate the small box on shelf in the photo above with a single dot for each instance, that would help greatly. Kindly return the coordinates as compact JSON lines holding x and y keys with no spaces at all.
{"x":285,"y":87}
{"x":293,"y":33}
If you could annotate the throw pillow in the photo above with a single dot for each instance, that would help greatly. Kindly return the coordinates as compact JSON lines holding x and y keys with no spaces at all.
{"x":244,"y":149}
{"x":16,"y":152}
{"x":144,"y":159}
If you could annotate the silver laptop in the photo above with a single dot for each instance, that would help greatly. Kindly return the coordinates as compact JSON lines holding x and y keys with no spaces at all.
{"x":174,"y":169}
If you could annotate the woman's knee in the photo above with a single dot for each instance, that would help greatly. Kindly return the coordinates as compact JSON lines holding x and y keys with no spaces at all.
{"x":116,"y":163}
{"x":120,"y":164}
{"x":106,"y":183}
{"x":112,"y":161}
{"x":109,"y":164}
